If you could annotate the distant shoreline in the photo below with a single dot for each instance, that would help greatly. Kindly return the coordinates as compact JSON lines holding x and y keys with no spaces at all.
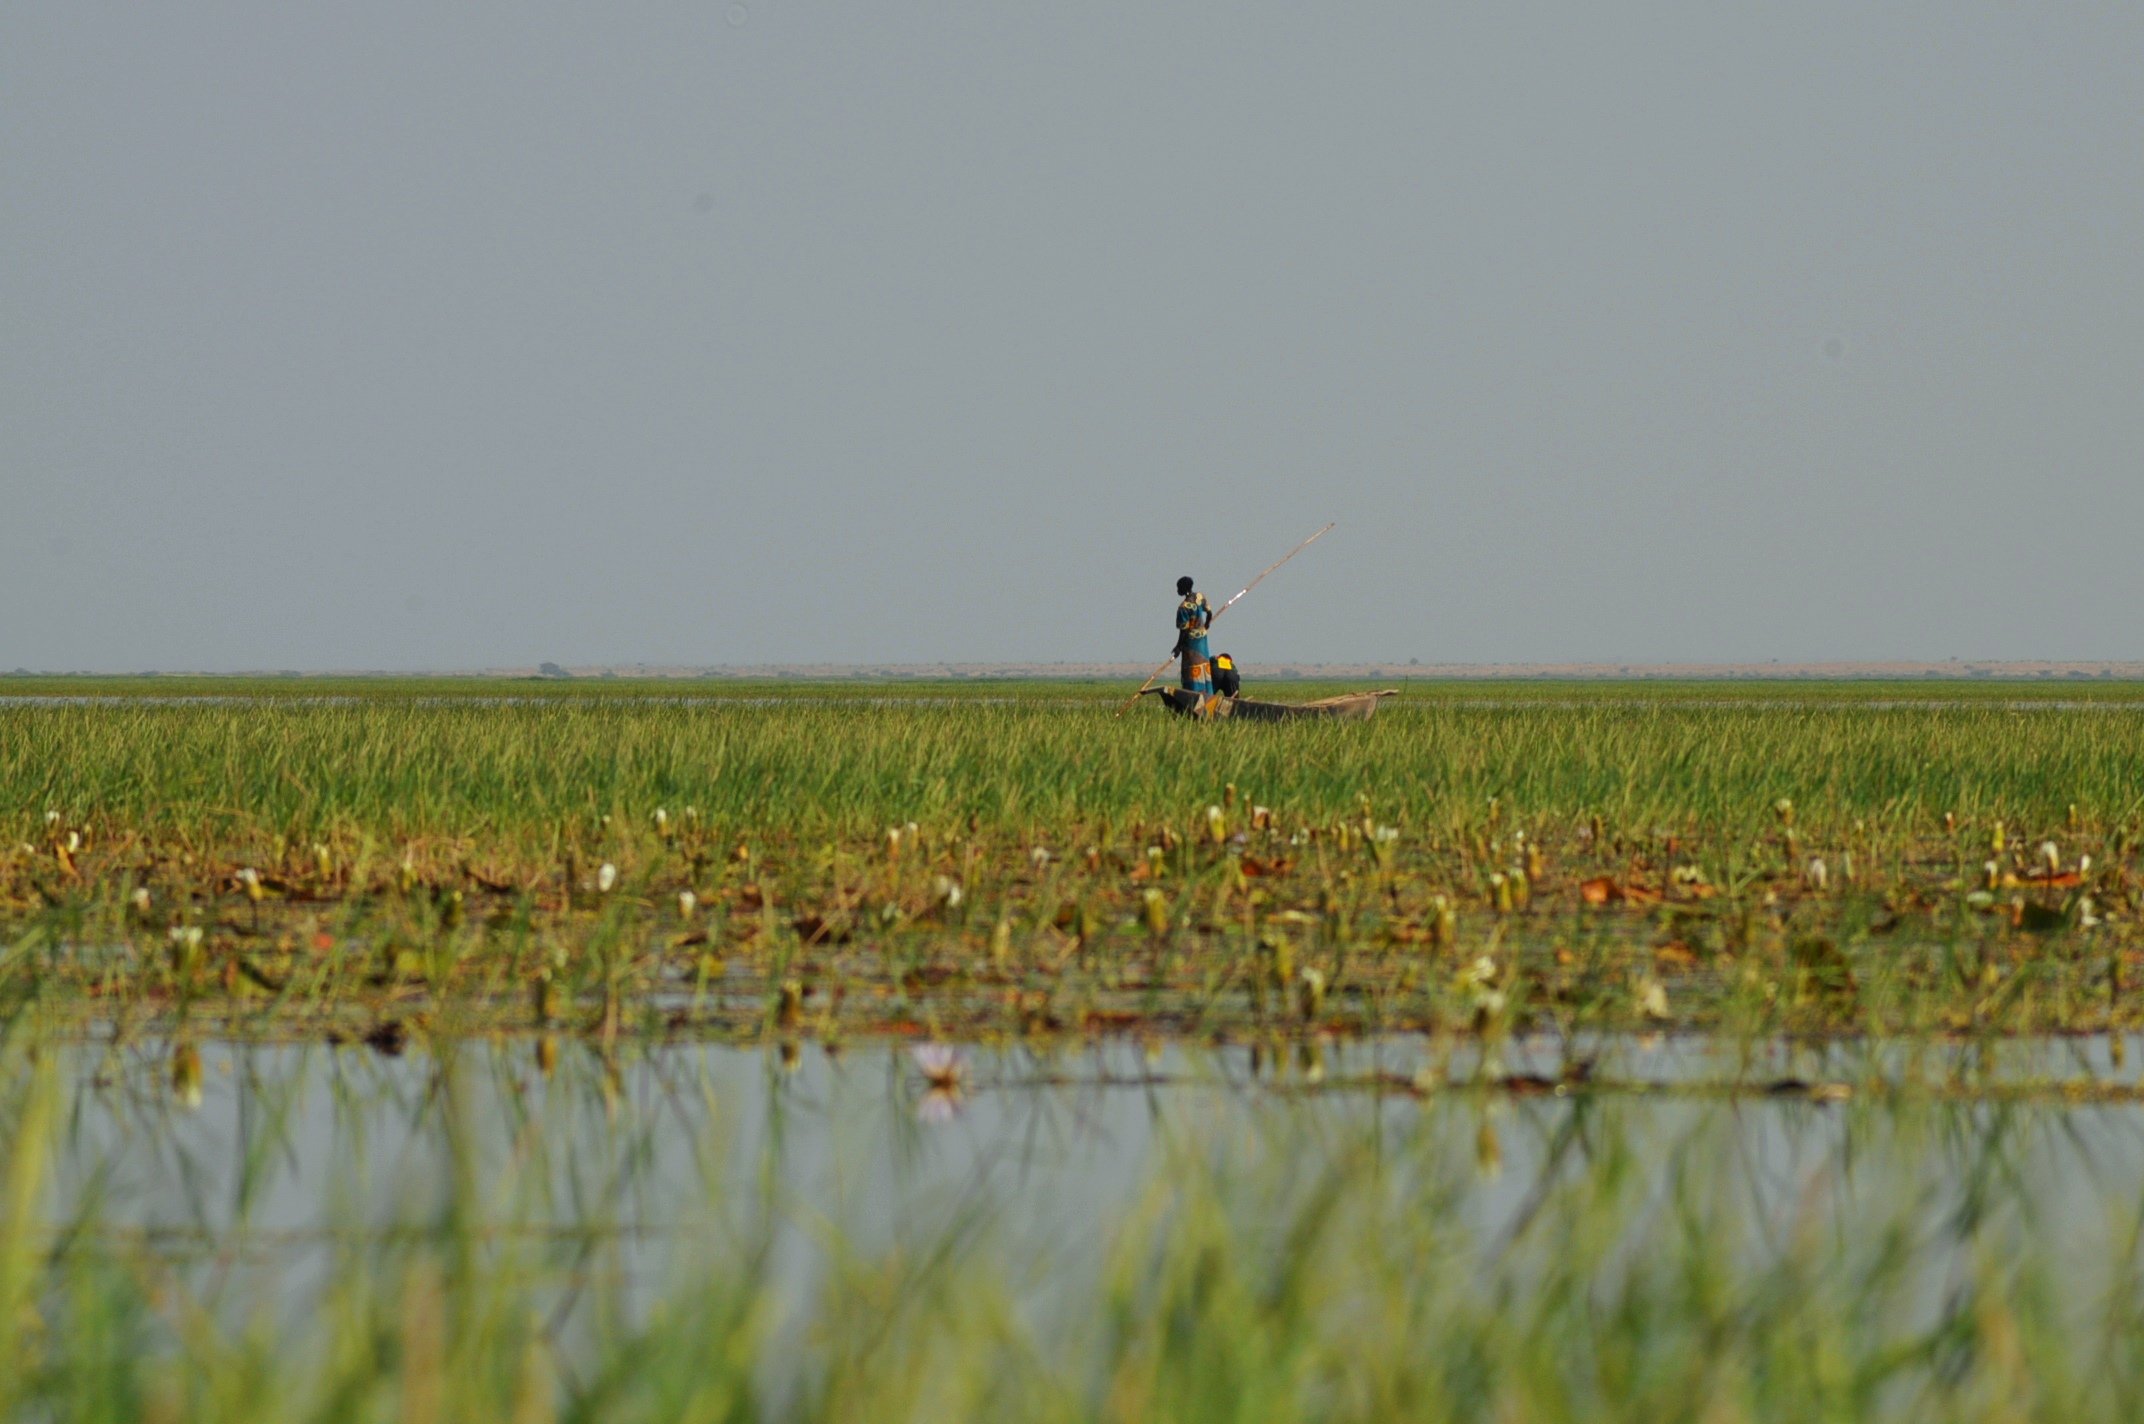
{"x":1952,"y":671}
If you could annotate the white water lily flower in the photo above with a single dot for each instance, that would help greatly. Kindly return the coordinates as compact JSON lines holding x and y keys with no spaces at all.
{"x":1653,"y":1000}
{"x":1481,"y":971}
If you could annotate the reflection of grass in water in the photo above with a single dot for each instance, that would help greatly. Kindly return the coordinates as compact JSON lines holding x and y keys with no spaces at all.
{"x":1543,"y":1260}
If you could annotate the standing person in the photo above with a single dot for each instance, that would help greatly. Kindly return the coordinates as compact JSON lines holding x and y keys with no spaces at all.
{"x":1192,"y":617}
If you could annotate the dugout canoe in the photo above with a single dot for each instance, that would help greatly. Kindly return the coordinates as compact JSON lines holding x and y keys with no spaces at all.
{"x":1349,"y":707}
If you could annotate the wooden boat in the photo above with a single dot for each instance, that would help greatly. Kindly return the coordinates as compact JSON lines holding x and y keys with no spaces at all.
{"x":1349,"y":707}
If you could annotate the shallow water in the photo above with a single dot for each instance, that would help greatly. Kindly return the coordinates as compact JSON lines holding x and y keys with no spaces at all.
{"x":1439,"y":699}
{"x":482,"y":699}
{"x":605,"y":1189}
{"x":291,"y":1144}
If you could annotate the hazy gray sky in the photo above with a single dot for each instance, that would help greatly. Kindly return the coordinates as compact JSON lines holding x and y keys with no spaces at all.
{"x":424,"y":335}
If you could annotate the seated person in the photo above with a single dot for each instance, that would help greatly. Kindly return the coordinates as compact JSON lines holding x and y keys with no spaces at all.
{"x":1226,"y":680}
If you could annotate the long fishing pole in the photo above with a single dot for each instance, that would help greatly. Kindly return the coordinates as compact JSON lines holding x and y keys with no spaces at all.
{"x":1269,"y":568}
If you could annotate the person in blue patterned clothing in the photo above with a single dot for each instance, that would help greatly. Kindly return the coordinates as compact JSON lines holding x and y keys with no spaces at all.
{"x":1195,"y":671}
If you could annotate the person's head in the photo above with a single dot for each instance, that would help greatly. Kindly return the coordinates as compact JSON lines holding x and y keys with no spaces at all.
{"x":1183,"y":586}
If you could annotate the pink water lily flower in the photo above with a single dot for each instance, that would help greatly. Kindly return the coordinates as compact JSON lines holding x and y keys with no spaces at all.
{"x":945,"y":1077}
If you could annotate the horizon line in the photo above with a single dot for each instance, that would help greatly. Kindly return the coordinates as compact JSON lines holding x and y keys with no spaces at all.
{"x":1961,"y":669}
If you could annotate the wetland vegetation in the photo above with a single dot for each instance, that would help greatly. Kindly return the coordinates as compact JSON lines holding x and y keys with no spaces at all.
{"x":707,"y":1050}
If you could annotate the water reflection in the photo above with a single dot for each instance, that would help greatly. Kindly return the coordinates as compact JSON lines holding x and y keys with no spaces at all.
{"x":265,"y":1178}
{"x":209,"y":1139}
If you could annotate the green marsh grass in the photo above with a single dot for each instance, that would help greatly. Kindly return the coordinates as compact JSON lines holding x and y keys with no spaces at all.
{"x":1761,"y":858}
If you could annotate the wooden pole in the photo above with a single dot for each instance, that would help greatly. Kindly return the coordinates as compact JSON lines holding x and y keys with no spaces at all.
{"x":1269,"y":568}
